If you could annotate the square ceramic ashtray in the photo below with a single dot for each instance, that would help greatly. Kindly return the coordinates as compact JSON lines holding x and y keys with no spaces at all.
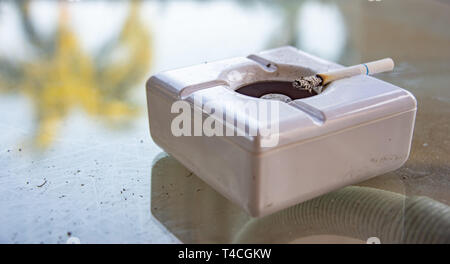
{"x":273,"y":154}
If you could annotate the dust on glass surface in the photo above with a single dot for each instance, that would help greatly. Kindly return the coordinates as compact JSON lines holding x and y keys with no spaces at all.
{"x":76,"y":157}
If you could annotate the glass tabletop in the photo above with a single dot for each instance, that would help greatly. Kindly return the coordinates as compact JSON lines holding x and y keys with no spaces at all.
{"x":77,"y":162}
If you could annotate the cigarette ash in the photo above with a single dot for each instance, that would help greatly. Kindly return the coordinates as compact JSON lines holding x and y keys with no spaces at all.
{"x":308,"y":83}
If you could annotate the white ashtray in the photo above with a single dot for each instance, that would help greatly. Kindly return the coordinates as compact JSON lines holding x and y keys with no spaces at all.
{"x":358,"y":128}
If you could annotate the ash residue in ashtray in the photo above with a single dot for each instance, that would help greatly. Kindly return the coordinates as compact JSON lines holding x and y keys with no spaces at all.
{"x":277,"y":97}
{"x":274,"y":90}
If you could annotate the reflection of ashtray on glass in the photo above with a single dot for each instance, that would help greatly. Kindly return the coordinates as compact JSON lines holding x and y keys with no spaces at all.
{"x":189,"y":208}
{"x":306,"y":146}
{"x":195,"y":213}
{"x":354,"y":215}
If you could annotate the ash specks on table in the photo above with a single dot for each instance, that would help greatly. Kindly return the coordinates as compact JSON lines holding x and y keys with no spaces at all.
{"x":41,"y":185}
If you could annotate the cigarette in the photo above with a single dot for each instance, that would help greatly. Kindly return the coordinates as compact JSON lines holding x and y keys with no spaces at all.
{"x":316,"y":82}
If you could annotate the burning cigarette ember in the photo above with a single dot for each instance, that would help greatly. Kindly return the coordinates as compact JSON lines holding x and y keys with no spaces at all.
{"x":316,"y":82}
{"x":308,"y":83}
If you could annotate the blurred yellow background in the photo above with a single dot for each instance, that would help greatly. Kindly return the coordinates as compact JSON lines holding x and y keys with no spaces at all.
{"x":62,"y":75}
